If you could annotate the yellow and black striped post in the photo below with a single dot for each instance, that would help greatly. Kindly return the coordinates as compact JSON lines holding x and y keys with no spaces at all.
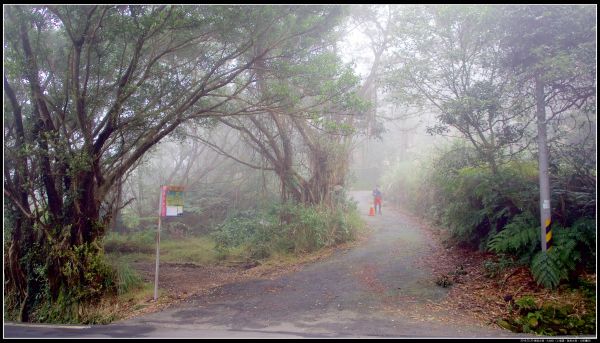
{"x":548,"y":234}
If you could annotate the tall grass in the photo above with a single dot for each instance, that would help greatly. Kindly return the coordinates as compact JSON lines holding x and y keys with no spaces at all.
{"x":138,"y":242}
{"x":141,"y":246}
{"x":127,"y":279}
{"x":285,"y":229}
{"x":198,"y":250}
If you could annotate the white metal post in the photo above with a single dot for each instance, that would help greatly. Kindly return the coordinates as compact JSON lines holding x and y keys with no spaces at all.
{"x":158,"y":244}
{"x":544,"y":178}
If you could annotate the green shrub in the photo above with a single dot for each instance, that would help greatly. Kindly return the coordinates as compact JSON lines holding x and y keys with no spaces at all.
{"x":520,"y":237}
{"x":402,"y":183}
{"x":289,"y":228}
{"x":129,"y":219}
{"x":249,"y":228}
{"x":475,"y":203}
{"x":454,"y":190}
{"x":86,"y":276}
{"x":526,"y":304}
{"x":499,"y":211}
{"x":572,"y":247}
{"x":310,"y":228}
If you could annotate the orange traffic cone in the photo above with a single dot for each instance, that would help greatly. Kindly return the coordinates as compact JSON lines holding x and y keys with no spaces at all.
{"x":372,"y":212}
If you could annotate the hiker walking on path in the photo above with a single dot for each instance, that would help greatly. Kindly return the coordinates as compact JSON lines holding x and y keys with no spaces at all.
{"x":377,"y":197}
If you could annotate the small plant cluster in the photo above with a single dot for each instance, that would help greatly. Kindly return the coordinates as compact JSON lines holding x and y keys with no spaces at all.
{"x":449,"y":279}
{"x":444,"y":281}
{"x":549,"y":319}
{"x":122,"y":279}
{"x":572,"y":248}
{"x":126,"y":278}
{"x":87,"y":278}
{"x":494,"y":267}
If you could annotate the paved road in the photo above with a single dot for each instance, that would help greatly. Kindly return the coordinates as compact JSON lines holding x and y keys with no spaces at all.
{"x":378,"y":289}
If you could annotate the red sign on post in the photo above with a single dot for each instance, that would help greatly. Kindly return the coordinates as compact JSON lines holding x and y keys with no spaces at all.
{"x":171,"y":205}
{"x":171,"y":201}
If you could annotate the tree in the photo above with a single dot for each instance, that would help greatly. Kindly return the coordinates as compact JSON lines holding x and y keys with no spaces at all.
{"x":377,"y":24}
{"x":307,"y":91}
{"x":446,"y":58}
{"x":551,"y":50}
{"x":296,"y":136}
{"x":91,"y":89}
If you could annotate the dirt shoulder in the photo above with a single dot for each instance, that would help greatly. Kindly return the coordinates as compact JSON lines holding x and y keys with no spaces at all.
{"x":473,"y":294}
{"x":181,"y":281}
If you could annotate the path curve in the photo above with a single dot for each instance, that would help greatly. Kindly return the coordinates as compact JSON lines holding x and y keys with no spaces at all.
{"x":377,"y":289}
{"x":381,"y":288}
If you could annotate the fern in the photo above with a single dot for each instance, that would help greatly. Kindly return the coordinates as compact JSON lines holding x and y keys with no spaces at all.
{"x":517,"y":236}
{"x":572,"y":245}
{"x":567,"y":254}
{"x":547,"y":270}
{"x":583,"y":233}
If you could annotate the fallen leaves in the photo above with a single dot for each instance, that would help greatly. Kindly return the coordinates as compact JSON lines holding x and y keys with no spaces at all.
{"x":367,"y":274}
{"x":475,"y":295}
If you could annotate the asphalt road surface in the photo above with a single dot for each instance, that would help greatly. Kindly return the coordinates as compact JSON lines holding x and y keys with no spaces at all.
{"x":378,"y":289}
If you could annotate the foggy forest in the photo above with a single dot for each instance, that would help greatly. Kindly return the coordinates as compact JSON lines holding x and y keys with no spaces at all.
{"x":435,"y":160}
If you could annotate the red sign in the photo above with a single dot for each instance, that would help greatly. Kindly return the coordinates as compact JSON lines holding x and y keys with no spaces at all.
{"x":163,"y":200}
{"x":171,"y":201}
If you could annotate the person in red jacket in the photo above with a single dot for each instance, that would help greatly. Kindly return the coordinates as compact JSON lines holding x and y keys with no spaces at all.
{"x":377,"y":198}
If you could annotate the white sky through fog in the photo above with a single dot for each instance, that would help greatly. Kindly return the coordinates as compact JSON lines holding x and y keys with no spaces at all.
{"x":355,"y":48}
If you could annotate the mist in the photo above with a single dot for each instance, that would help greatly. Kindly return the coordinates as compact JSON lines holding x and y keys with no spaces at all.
{"x":261,"y":136}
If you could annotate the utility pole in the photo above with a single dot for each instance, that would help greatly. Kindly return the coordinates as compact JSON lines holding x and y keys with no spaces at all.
{"x":545,"y":209}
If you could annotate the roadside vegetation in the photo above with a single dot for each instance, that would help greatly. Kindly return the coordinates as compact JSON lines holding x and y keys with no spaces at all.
{"x":245,"y":239}
{"x":498,"y":214}
{"x":281,"y":230}
{"x":247,"y":236}
{"x":503,"y":82}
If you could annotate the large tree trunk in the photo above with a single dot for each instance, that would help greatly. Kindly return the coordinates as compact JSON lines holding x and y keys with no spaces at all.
{"x":16,"y":279}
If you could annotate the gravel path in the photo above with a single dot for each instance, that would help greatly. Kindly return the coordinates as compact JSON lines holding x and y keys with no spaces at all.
{"x":380,"y":288}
